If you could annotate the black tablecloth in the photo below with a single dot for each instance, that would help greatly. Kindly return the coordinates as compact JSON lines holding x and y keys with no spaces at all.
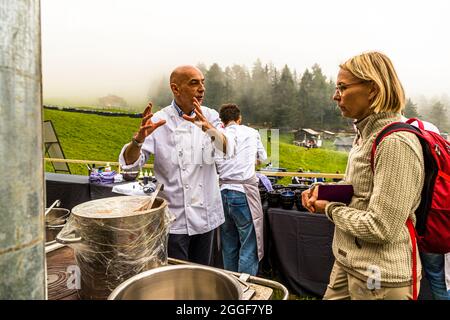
{"x":74,"y":189}
{"x":300,"y":249}
{"x":100,"y":191}
{"x":70,"y":189}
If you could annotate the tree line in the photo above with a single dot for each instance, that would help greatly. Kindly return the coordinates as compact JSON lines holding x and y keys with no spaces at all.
{"x":282,"y":98}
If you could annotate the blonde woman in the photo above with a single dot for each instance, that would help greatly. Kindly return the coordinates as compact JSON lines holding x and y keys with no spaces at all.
{"x":371,"y":245}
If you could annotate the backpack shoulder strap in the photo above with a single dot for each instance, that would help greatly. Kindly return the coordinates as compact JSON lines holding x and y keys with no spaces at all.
{"x":386,"y":131}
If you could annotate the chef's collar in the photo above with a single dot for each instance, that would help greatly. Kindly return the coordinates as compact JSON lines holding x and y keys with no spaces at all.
{"x":179,"y":111}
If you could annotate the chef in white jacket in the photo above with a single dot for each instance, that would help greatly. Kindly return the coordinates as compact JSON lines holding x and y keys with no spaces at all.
{"x":184,"y":138}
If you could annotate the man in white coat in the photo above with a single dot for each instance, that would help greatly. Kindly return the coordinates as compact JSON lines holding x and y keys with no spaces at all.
{"x":184,"y":138}
{"x":242,"y":233}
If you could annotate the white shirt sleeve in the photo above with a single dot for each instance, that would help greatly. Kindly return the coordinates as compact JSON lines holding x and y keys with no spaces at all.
{"x":147,"y":147}
{"x":139,"y":163}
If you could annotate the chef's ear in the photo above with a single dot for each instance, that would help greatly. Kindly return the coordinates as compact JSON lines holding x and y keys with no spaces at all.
{"x":174,"y":88}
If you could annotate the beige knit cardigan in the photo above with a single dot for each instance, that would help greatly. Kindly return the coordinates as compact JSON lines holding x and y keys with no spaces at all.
{"x":371,"y":238}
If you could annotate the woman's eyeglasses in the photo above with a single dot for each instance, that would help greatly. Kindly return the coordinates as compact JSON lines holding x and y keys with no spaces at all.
{"x":340,"y":88}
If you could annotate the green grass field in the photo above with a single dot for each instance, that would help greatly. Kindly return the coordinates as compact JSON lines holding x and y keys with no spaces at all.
{"x":101,"y":138}
{"x":90,"y":137}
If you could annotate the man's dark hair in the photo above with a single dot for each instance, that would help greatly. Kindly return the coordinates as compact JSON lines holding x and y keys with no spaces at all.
{"x":229,"y":112}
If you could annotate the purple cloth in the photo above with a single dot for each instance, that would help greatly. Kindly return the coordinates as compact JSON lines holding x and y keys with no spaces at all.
{"x":102,"y":177}
{"x":265,"y":181}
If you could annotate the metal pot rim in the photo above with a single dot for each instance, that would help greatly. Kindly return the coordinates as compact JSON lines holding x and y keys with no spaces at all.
{"x":115,"y":216}
{"x":157,"y":270}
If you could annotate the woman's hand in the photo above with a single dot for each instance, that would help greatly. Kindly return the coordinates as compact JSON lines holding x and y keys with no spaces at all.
{"x":307,"y":203}
{"x":310,"y":202}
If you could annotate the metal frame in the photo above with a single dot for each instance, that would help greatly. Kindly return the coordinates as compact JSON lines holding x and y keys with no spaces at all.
{"x":49,"y":144}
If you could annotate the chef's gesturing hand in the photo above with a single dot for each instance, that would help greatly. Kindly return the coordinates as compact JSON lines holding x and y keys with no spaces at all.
{"x":198,"y":119}
{"x":147,"y":125}
{"x":133,"y":150}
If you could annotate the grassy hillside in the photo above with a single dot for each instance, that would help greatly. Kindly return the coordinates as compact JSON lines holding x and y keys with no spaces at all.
{"x":90,"y":137}
{"x":317,"y":159}
{"x":94,"y":137}
{"x":325,"y":159}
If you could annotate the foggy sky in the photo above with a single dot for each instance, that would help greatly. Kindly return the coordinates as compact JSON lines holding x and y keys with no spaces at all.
{"x":91,"y":48}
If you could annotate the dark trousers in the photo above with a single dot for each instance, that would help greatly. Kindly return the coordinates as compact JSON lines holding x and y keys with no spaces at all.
{"x":197,"y":248}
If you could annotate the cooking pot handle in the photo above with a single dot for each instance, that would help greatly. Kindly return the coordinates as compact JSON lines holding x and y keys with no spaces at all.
{"x":243,"y":281}
{"x":63,"y":240}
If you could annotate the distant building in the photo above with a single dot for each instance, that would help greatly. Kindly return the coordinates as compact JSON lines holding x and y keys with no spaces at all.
{"x":307,"y":138}
{"x":112,"y":101}
{"x":306,"y":134}
{"x":328,"y":135}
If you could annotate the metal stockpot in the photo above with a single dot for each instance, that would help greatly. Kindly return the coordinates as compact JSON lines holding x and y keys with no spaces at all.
{"x":180,"y":282}
{"x":114,"y":239}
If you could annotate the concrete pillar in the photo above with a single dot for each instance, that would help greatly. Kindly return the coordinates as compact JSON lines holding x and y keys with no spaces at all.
{"x":22,"y":257}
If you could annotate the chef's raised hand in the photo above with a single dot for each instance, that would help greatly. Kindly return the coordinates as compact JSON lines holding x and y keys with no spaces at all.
{"x":198,"y":119}
{"x":147,"y":125}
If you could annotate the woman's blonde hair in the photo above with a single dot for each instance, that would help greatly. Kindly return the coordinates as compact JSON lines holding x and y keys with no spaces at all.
{"x":377,"y":67}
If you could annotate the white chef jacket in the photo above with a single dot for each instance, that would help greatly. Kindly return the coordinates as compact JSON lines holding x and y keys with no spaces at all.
{"x":241,"y":162}
{"x":184,"y":163}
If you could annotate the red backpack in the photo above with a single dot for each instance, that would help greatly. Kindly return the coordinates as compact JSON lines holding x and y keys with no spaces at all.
{"x":432,"y":230}
{"x":433,"y":213}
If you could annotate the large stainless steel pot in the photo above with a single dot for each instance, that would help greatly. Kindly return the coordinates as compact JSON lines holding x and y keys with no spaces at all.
{"x":180,"y":282}
{"x":115,"y":239}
